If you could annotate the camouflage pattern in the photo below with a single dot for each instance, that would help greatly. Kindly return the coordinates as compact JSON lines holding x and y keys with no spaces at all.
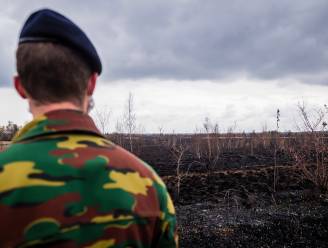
{"x":62,"y":184}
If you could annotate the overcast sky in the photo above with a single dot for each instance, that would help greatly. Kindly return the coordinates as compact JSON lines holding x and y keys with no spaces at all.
{"x":234,"y":61}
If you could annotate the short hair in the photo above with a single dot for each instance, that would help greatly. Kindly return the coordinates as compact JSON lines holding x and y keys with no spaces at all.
{"x":52,"y":73}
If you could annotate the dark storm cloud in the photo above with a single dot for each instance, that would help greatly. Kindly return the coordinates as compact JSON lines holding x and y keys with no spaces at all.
{"x":181,"y":39}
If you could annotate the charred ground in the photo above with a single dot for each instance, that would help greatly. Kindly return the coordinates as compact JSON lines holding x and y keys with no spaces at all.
{"x":246,"y":190}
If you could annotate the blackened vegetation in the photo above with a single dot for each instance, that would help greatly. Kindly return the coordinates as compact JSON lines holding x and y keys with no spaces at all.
{"x":243,"y":190}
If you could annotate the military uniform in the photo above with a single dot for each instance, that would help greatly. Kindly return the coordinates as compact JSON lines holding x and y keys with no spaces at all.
{"x":62,"y":184}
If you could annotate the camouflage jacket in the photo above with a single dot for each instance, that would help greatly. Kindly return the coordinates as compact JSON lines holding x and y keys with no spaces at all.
{"x":62,"y":184}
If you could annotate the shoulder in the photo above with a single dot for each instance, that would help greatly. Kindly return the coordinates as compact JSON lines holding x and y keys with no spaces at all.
{"x":134,"y":169}
{"x":9,"y":153}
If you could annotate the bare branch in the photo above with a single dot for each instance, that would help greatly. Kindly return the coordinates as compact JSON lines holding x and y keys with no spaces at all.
{"x":102,"y":117}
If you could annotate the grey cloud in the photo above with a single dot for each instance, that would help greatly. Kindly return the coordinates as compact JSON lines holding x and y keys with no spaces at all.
{"x":190,"y":40}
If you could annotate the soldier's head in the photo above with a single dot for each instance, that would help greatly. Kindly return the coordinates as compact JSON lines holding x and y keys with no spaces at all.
{"x":56,"y":62}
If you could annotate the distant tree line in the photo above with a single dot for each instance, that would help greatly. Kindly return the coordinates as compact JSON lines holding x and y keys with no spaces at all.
{"x":8,"y":131}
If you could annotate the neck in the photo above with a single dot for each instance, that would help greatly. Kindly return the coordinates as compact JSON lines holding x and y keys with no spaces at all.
{"x":38,"y":110}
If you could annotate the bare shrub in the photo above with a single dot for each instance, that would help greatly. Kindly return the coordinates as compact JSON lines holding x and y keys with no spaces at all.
{"x":310,"y":150}
{"x":102,"y":117}
{"x":178,"y":150}
{"x":212,"y":150}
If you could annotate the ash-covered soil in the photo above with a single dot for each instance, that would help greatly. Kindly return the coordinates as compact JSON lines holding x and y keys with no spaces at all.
{"x":243,"y":208}
{"x":215,"y":225}
{"x":242,"y":200}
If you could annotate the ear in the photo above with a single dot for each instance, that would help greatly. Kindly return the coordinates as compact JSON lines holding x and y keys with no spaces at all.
{"x":19,"y":87}
{"x":92,"y":84}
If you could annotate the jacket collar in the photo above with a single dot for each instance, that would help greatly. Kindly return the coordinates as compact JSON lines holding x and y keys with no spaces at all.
{"x":58,"y":121}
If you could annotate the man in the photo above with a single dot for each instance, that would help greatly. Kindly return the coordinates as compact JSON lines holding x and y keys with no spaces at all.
{"x":62,"y":184}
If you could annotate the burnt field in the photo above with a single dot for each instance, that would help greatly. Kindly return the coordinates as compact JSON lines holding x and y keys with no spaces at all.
{"x":256,"y":190}
{"x":242,"y":190}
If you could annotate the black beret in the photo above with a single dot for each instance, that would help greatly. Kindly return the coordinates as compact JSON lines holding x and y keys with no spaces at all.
{"x":47,"y":25}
